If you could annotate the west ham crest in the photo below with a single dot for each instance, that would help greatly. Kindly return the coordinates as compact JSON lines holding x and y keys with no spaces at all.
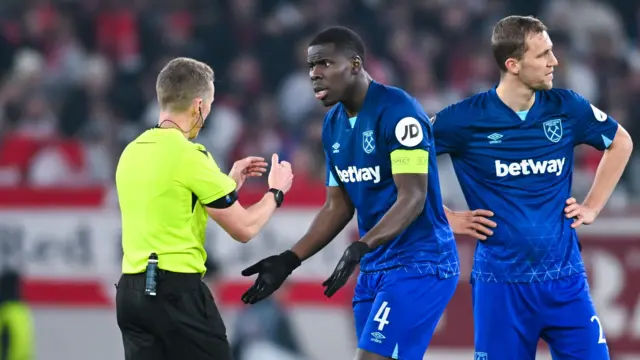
{"x":553,"y":129}
{"x":368,"y":142}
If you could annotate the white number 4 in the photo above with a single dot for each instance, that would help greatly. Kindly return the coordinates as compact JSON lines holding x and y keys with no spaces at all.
{"x":601,"y":338}
{"x":382,"y":315}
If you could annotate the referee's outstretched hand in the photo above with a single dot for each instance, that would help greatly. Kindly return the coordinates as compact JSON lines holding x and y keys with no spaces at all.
{"x":272,"y":272}
{"x":251,"y":166}
{"x":280,"y":175}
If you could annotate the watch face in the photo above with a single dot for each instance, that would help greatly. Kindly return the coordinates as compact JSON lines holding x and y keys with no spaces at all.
{"x":279,"y":196}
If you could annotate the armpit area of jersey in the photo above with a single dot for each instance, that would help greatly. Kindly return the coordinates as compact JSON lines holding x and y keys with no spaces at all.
{"x":224,"y":202}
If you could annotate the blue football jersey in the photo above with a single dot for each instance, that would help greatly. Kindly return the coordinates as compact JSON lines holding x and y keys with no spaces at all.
{"x":520,"y":166}
{"x":358,"y":156}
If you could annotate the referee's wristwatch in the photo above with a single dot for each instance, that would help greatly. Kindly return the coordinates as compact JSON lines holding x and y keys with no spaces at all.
{"x":278,"y":196}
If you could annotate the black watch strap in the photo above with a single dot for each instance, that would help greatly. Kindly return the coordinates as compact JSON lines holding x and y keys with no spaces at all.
{"x":278,"y":196}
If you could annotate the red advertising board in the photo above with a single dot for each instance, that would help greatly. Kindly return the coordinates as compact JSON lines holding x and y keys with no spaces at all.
{"x":611,"y":252}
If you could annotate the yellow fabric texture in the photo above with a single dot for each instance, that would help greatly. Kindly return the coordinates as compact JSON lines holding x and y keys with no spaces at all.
{"x":163,"y":180}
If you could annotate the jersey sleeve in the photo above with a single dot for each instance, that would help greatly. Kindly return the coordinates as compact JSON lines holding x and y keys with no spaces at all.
{"x":331,"y":178}
{"x":593,"y":126}
{"x":201,"y":175}
{"x":447,"y":133}
{"x":405,"y":128}
{"x":407,"y":133}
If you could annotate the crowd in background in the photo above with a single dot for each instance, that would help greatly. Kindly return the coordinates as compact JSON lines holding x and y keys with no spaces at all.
{"x":77,"y":77}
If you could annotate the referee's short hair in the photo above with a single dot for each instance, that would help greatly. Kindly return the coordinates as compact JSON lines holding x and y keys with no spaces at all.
{"x":343,"y":38}
{"x":181,"y":81}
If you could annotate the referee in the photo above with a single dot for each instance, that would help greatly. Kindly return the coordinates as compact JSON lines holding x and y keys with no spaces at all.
{"x":167,"y":188}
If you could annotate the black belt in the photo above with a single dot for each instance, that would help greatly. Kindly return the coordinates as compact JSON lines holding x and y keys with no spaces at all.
{"x":168,"y":281}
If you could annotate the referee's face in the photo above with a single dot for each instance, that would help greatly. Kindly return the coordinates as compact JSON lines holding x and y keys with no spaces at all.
{"x":330,"y":72}
{"x":201,"y":110}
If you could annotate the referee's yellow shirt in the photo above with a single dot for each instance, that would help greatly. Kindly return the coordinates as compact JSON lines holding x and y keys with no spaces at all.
{"x":163,"y":180}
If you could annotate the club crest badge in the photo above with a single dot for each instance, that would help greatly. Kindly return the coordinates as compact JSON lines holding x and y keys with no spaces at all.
{"x":553,"y":130}
{"x":368,"y":142}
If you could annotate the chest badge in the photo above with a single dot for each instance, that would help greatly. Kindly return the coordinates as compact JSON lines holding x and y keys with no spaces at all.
{"x":553,"y":129}
{"x":368,"y":142}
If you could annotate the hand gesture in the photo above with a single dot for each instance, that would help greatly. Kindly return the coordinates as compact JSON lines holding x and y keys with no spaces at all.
{"x":272,"y":272}
{"x":251,"y":166}
{"x":347,"y":264}
{"x":581,"y":213}
{"x":472,"y":223}
{"x":280,"y":176}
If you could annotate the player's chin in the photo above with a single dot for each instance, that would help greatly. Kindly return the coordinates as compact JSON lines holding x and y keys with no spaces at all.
{"x":328,"y":101}
{"x":545,"y":85}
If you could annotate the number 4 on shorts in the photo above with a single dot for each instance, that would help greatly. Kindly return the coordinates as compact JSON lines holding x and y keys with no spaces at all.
{"x":382,"y":315}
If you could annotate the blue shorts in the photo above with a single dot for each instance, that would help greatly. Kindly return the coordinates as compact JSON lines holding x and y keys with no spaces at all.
{"x":509,"y":319}
{"x":396,"y":312}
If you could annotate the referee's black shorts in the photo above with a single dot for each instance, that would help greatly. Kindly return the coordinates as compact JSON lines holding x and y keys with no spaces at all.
{"x":181,"y":322}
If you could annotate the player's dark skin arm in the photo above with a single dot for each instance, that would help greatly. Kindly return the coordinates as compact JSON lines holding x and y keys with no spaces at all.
{"x":274,"y":270}
{"x":412,"y":194}
{"x":334,"y":215}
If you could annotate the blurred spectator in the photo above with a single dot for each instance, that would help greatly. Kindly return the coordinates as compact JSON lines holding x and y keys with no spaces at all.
{"x":263,"y":331}
{"x":77,"y":78}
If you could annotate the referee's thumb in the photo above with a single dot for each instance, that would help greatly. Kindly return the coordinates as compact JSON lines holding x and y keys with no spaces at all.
{"x":252,"y":270}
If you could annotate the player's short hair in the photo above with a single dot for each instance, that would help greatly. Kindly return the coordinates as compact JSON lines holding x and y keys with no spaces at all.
{"x":343,"y":38}
{"x":181,"y":81}
{"x":509,"y":37}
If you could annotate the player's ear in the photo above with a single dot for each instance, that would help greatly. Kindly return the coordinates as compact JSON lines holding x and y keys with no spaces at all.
{"x":512,"y":65}
{"x":356,"y":64}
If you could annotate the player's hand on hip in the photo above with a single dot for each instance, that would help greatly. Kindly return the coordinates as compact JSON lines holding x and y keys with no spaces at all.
{"x":251,"y":166}
{"x":347,"y":264}
{"x":581,"y":213}
{"x":280,"y":176}
{"x":272,"y":272}
{"x":474,"y":223}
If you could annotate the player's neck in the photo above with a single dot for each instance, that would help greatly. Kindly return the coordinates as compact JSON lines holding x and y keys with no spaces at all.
{"x":358,"y":95}
{"x":515,"y":94}
{"x":180,"y":122}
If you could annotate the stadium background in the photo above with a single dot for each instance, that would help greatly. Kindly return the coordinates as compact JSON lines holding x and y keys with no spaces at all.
{"x":77,"y":83}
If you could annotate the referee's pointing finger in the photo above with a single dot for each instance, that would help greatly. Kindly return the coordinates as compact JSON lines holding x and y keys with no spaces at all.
{"x":274,"y":159}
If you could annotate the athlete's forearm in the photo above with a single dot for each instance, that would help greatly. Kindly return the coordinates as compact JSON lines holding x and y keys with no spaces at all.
{"x":403,"y":212}
{"x":609,"y":170}
{"x":327,"y":224}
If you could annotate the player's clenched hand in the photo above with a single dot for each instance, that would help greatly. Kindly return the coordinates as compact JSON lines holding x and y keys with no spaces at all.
{"x":280,"y":176}
{"x":581,"y":213}
{"x":347,"y":264}
{"x":272,"y":272}
{"x":471,"y":223}
{"x":250,"y":166}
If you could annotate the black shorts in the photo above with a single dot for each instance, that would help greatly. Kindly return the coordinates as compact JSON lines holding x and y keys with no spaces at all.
{"x":180,"y":322}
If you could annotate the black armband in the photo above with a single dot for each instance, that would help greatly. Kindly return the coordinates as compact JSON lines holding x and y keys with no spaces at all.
{"x":224,"y":202}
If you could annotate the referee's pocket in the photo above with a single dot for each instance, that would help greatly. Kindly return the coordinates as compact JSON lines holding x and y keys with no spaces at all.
{"x":208,"y":303}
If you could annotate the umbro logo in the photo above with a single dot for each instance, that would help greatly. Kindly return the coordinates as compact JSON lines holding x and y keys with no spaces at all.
{"x":377,"y":337}
{"x":495,"y":138}
{"x":336,"y":148}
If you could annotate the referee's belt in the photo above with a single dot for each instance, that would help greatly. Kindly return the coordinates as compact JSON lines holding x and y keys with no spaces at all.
{"x":168,"y":281}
